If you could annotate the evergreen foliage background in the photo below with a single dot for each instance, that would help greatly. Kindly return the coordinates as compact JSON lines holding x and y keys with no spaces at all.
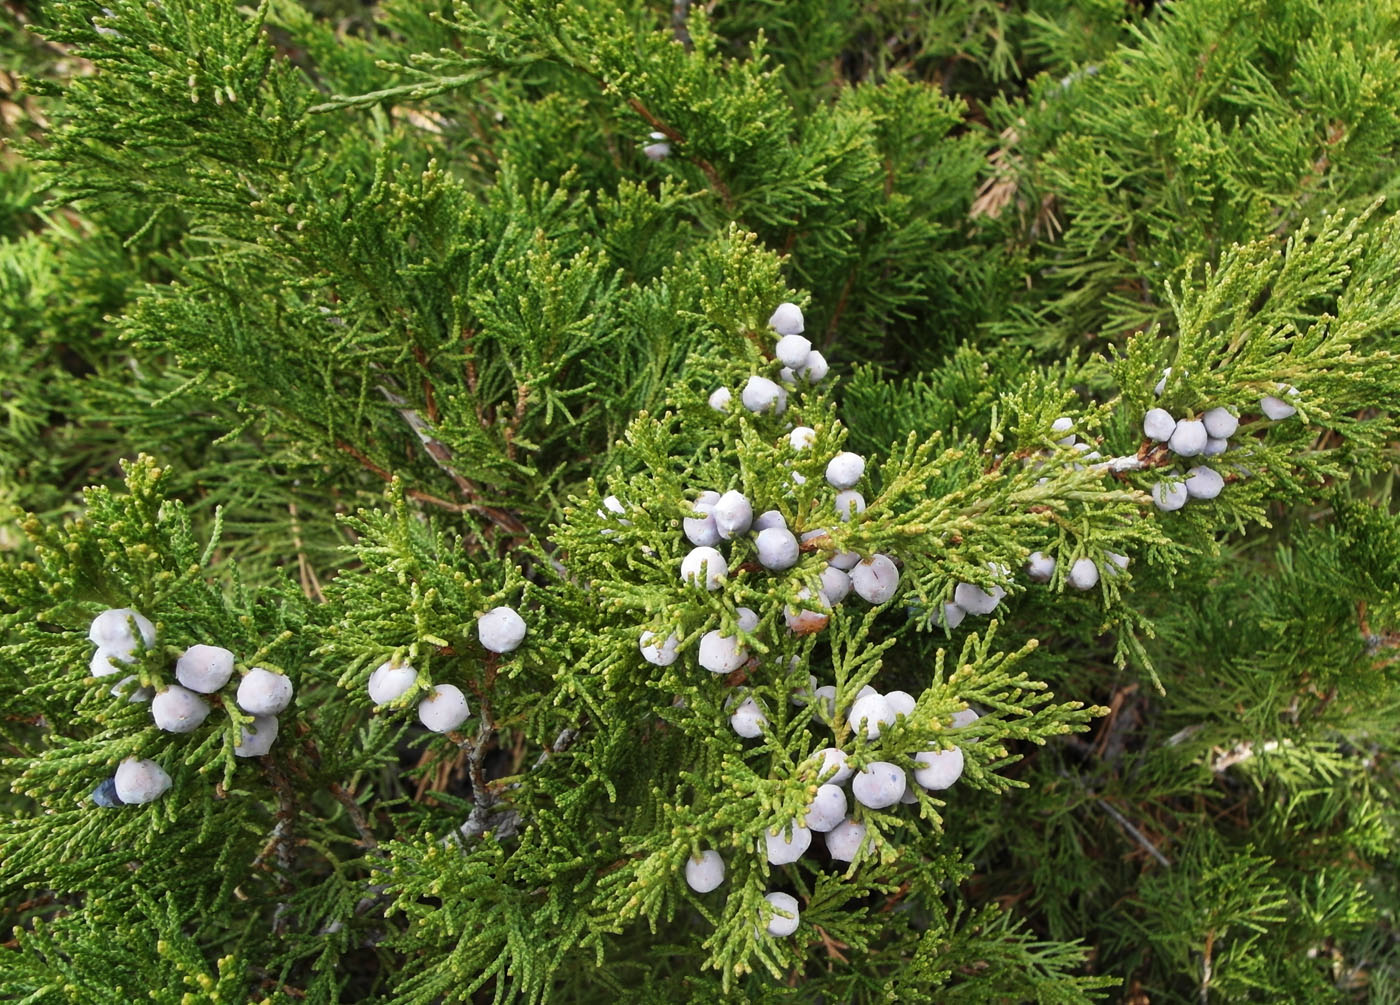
{"x":325,"y":327}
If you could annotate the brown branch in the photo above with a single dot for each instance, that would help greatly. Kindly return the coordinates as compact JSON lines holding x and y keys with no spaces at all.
{"x":680,"y":10}
{"x":716,"y":182}
{"x":356,"y":813}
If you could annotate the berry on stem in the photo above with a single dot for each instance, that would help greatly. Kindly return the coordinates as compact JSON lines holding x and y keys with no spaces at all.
{"x":390,"y":682}
{"x":263,"y":692}
{"x":178,"y":710}
{"x":704,"y":872}
{"x":706,"y":567}
{"x":256,"y":739}
{"x":500,"y":629}
{"x":445,"y":709}
{"x":140,"y":780}
{"x":778,"y":925}
{"x":204,"y":668}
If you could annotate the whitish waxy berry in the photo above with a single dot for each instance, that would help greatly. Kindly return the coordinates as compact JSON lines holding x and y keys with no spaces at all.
{"x":1276,"y":408}
{"x":262,"y":692}
{"x":112,"y":630}
{"x":747,"y":618}
{"x":661,"y":654}
{"x":105,"y":795}
{"x":1162,"y":384}
{"x":792,"y":350}
{"x":1063,"y":425}
{"x":104,"y":661}
{"x":732,"y":514}
{"x":140,"y":781}
{"x":836,"y":585}
{"x":878,"y":784}
{"x":748,"y":719}
{"x":178,"y":710}
{"x":720,"y":398}
{"x":953,"y":615}
{"x":777,"y":548}
{"x":787,"y":319}
{"x":806,"y":620}
{"x":875,"y":580}
{"x":975,"y":600}
{"x":825,"y":699}
{"x":828,"y":808}
{"x":1220,"y":423}
{"x":657,"y":151}
{"x":1215,"y":447}
{"x":389,"y":682}
{"x":1117,"y":562}
{"x":612,"y":504}
{"x":802,"y":695}
{"x":702,"y":530}
{"x":784,"y":849}
{"x":778,"y":925}
{"x":938,"y":769}
{"x":849,"y":503}
{"x":872,"y":714}
{"x":1083,"y":574}
{"x":844,"y":470}
{"x":802,"y":437}
{"x":844,"y":840}
{"x":445,"y":709}
{"x":834,"y":758}
{"x":798,"y":478}
{"x":1188,"y":439}
{"x":721,"y":653}
{"x":761,"y":395}
{"x":815,"y":369}
{"x":705,"y":567}
{"x":786,"y":377}
{"x":255,"y":739}
{"x":1040,"y":567}
{"x":136,"y":693}
{"x":1158,"y":425}
{"x":1203,"y":483}
{"x":204,"y":668}
{"x":704,"y":872}
{"x":768,"y":518}
{"x":901,"y":702}
{"x":500,"y":629}
{"x":1170,"y":496}
{"x":964,"y":718}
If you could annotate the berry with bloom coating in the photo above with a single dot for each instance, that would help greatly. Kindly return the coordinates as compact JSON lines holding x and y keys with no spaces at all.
{"x":263,"y":692}
{"x":814,"y":369}
{"x":702,"y":531}
{"x":805,"y":620}
{"x":112,"y":630}
{"x":938,"y":769}
{"x":784,"y":850}
{"x":828,"y":808}
{"x":768,"y":518}
{"x":802,"y":437}
{"x":787,"y":319}
{"x":732,"y":514}
{"x":876,"y":579}
{"x":834,"y":758}
{"x":761,"y":395}
{"x":777,"y":548}
{"x":1215,"y":447}
{"x":825,"y":699}
{"x":177,"y":710}
{"x":721,"y":653}
{"x":1169,"y":496}
{"x":1063,"y":425}
{"x":140,"y":781}
{"x":1083,"y":574}
{"x":704,"y":872}
{"x":844,"y":840}
{"x":1158,"y":425}
{"x":105,"y":795}
{"x":964,"y":718}
{"x":878,"y":784}
{"x":1188,"y":439}
{"x":661,"y":654}
{"x":204,"y":668}
{"x":1204,"y":483}
{"x":849,"y":503}
{"x":747,"y":618}
{"x":500,"y":629}
{"x":390,"y":682}
{"x":104,"y":661}
{"x":445,"y":709}
{"x":255,"y":740}
{"x":844,"y":470}
{"x":720,"y":398}
{"x":705,"y":567}
{"x":792,"y":350}
{"x":137,"y":694}
{"x":871,"y":713}
{"x":657,"y":151}
{"x":836,"y":585}
{"x":1276,"y":408}
{"x":748,"y":719}
{"x":1040,"y":567}
{"x":1220,"y":423}
{"x":901,"y":702}
{"x":953,"y":616}
{"x":777,"y":924}
{"x":975,"y":600}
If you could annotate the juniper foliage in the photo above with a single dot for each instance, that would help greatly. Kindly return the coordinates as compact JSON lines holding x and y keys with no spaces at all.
{"x":327,"y":329}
